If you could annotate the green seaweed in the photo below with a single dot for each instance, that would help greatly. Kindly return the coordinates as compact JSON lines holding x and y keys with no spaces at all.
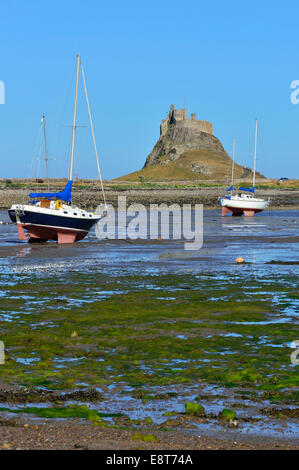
{"x":227,"y":414}
{"x":144,"y":437}
{"x":205,"y":330}
{"x":194,"y":409}
{"x":71,"y":411}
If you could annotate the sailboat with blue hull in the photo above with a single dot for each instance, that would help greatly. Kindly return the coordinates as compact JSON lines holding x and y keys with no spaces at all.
{"x":51,"y":215}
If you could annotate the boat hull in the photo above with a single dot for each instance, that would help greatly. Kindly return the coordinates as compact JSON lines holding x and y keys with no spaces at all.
{"x":242,"y":207}
{"x":238,"y":212}
{"x":12,"y":215}
{"x":38,"y":234}
{"x":42,"y":226}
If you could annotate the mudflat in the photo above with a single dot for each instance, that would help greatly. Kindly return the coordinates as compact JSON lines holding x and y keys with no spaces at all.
{"x":122,"y":344}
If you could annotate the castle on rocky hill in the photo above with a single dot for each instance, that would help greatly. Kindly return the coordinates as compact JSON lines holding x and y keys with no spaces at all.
{"x":179,"y":117}
{"x":187,"y":149}
{"x":179,"y":134}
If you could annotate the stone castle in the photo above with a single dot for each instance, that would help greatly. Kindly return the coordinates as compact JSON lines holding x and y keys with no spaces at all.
{"x":179,"y":134}
{"x":179,"y":117}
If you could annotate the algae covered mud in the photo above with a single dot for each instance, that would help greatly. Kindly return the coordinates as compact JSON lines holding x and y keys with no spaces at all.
{"x":145,"y":336}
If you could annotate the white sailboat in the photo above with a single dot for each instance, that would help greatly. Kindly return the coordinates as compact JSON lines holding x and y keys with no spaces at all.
{"x":244,"y":202}
{"x":52,"y":216}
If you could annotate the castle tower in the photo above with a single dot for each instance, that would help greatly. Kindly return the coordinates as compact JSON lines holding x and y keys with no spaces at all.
{"x":179,"y":117}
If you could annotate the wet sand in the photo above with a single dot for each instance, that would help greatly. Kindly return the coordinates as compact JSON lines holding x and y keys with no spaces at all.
{"x":73,"y":435}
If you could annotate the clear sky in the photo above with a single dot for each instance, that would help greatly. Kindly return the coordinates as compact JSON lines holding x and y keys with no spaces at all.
{"x":233,"y":61}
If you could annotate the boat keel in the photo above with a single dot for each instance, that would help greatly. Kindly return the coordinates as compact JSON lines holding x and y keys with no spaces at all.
{"x":249,"y":213}
{"x":39,"y":234}
{"x":239,"y":212}
{"x":63,"y":237}
{"x":21,"y":232}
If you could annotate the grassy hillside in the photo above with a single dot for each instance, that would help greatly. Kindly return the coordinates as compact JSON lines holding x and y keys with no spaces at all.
{"x":214,"y":166}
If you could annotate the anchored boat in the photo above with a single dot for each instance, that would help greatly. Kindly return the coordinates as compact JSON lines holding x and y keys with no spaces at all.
{"x":244,"y":202}
{"x":52,"y":216}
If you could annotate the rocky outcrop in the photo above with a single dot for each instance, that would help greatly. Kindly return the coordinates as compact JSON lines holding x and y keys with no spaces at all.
{"x":180,"y":137}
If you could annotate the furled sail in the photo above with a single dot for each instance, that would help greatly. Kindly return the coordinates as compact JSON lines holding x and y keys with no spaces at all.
{"x":251,"y":190}
{"x":64,"y":195}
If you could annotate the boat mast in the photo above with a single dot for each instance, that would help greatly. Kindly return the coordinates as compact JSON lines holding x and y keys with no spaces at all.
{"x":93,"y":137}
{"x":74,"y":120}
{"x":254,"y":164}
{"x":46,"y":153}
{"x":233,"y":165}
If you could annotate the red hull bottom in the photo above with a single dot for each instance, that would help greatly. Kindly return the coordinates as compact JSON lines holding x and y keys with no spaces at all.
{"x":43,"y":234}
{"x":240,"y":212}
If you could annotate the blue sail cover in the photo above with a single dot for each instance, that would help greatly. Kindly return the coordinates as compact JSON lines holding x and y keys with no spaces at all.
{"x":251,"y":190}
{"x":65,"y":195}
{"x":230,"y":189}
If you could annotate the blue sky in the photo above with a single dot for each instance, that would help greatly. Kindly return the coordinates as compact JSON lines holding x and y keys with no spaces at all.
{"x":232,"y":61}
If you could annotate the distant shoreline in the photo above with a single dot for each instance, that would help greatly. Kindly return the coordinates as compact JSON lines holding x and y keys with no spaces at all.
{"x":280,"y":198}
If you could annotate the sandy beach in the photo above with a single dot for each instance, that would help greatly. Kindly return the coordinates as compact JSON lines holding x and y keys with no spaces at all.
{"x":73,"y":435}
